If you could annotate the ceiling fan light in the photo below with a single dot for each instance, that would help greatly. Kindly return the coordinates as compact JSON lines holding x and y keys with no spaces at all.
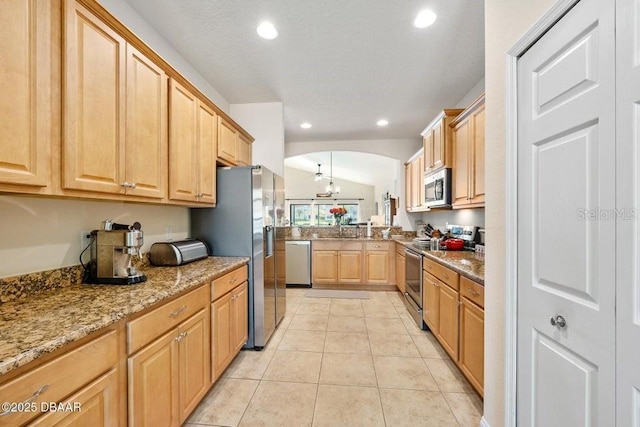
{"x":267,"y":31}
{"x":424,"y":19}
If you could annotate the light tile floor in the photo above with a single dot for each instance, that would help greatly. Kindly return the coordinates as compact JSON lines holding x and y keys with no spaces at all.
{"x":342,"y":362}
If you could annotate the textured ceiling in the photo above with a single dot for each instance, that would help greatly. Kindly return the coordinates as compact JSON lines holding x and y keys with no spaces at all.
{"x":338,"y":64}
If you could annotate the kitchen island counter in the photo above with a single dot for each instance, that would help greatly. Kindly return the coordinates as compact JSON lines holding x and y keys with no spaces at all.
{"x":39,"y":324}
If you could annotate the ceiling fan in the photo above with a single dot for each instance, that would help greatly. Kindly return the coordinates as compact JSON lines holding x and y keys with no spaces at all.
{"x":319,"y":175}
{"x":331,"y":189}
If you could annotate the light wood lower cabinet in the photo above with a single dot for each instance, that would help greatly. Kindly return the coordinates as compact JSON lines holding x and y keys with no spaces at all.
{"x":448,"y":320}
{"x":169,"y":363}
{"x":431,"y":302}
{"x":81,"y":373}
{"x":229,"y":325}
{"x":471,"y":358}
{"x":353,"y":262}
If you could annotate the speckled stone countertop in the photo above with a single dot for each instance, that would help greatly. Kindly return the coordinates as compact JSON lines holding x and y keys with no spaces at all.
{"x":467,"y":263}
{"x":345,"y":239}
{"x":32,"y":327}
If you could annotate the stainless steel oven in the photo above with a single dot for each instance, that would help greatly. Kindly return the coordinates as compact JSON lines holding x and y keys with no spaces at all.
{"x":437,"y":188}
{"x":413,"y":290}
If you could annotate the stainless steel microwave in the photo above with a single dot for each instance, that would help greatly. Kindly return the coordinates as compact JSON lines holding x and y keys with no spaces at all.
{"x":437,"y":188}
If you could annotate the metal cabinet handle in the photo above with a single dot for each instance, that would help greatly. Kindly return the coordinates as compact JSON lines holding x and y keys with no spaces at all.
{"x":178,"y":312}
{"x":132,"y":185}
{"x":446,"y":276}
{"x":558,"y":321}
{"x":181,"y":336}
{"x":473,"y":292}
{"x":33,"y":397}
{"x":125,"y":184}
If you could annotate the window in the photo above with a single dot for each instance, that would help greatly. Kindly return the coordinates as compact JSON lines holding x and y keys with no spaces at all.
{"x":318,"y":213}
{"x":300,"y":214}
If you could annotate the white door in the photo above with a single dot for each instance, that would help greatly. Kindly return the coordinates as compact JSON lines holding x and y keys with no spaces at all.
{"x":566,"y":222}
{"x":628,"y":201}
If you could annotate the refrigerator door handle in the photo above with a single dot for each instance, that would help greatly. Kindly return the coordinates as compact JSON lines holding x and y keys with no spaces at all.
{"x":268,"y":232}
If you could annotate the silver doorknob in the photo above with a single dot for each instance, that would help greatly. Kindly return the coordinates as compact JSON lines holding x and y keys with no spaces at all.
{"x":558,"y":321}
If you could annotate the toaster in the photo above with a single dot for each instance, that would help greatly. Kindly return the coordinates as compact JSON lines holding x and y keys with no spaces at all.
{"x":177,"y":252}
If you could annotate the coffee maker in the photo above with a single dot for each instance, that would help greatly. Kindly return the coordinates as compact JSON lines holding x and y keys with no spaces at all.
{"x":111,"y":251}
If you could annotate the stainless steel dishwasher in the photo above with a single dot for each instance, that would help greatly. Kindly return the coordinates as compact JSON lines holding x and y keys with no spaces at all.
{"x":298,"y":260}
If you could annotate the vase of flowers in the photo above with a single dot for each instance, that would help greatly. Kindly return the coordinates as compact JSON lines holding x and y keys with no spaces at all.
{"x":338,"y":213}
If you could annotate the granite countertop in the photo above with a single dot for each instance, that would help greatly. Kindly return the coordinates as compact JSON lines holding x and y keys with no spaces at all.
{"x":347,"y":239}
{"x":32,"y":327}
{"x":466,"y":263}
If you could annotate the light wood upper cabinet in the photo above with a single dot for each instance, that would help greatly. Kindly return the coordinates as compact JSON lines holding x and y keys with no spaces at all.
{"x":146,"y":127}
{"x":183,"y":134}
{"x":192,"y":147}
{"x":468,"y":149}
{"x":437,"y":139}
{"x":26,"y":125}
{"x":207,"y":153}
{"x":244,"y":150}
{"x":408,"y":183}
{"x":94,"y":126}
{"x":227,"y":141}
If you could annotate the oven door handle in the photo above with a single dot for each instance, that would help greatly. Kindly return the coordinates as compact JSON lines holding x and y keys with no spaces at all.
{"x":410,"y":300}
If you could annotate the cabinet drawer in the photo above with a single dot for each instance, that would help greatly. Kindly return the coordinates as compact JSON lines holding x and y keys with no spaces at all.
{"x":224,"y":284}
{"x":147,"y":328}
{"x":376,"y":246}
{"x":336,"y":245}
{"x":60,"y":377}
{"x":472,"y":291}
{"x":441,"y":272}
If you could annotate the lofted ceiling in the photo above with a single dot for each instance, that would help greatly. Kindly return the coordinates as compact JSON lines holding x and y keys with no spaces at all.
{"x":338,"y":64}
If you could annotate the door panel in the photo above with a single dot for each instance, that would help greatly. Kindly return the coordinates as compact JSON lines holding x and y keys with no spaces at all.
{"x":182,"y":143}
{"x":628,"y":204}
{"x":566,"y":230}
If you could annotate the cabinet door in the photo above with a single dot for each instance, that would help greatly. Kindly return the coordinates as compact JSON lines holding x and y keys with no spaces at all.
{"x":182,"y":143}
{"x":325,"y":267}
{"x":461,"y":141}
{"x":472,"y":343}
{"x":439,"y":149}
{"x":25,"y":85}
{"x":400,"y":273}
{"x":221,"y":348}
{"x":350,"y":267}
{"x":448,"y":322}
{"x":207,"y":153}
{"x":153,"y":383}
{"x":377,"y":267}
{"x":194,"y":362}
{"x":227,"y":141}
{"x":244,"y":151}
{"x":408,"y":183}
{"x":476,"y":191}
{"x":146,"y":127}
{"x":427,"y":145}
{"x":94,"y":123}
{"x":98,"y":403}
{"x":430,"y":302}
{"x":240,"y":312}
{"x":416,"y":174}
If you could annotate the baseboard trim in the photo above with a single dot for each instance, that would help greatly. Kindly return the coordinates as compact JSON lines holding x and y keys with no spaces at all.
{"x":484,"y":423}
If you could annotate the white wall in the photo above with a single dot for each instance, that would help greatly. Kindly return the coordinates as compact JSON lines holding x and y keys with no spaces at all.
{"x":300,"y":184}
{"x":265,"y":122}
{"x":42,"y":234}
{"x":472,"y":95}
{"x":506,"y":21}
{"x":129,"y":17}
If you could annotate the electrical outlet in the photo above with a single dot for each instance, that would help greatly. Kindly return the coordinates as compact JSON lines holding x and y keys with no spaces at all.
{"x":168,"y":232}
{"x":85,"y":238}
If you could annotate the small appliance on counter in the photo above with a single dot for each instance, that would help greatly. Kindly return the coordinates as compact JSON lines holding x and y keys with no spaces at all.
{"x":111,"y":251}
{"x":176,"y":253}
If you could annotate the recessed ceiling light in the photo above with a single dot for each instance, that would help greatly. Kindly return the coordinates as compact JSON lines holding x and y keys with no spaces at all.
{"x":424,"y":19}
{"x":382,"y":122}
{"x":266,"y":30}
{"x":305,"y":125}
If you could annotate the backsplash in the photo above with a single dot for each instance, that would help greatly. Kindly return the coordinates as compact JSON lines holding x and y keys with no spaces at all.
{"x":350,"y":231}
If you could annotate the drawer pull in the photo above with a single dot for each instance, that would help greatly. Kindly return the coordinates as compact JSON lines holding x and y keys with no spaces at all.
{"x":472,"y":292}
{"x":446,"y":276}
{"x":181,"y":336}
{"x":234,"y":280}
{"x":29,"y":400}
{"x":178,"y":312}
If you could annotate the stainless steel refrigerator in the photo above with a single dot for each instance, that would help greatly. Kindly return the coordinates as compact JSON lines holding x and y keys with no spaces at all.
{"x":248,"y":220}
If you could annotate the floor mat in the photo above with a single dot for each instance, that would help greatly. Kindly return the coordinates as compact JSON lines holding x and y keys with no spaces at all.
{"x":335,"y":293}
